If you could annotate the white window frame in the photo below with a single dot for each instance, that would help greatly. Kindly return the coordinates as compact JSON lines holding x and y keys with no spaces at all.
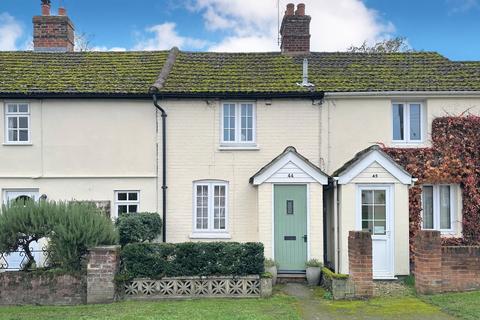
{"x":210,"y":232}
{"x":436,"y":207}
{"x":238,"y":121}
{"x":17,"y":114}
{"x":126,"y":202}
{"x":406,"y":122}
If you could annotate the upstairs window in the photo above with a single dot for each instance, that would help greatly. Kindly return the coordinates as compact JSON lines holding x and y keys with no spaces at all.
{"x":438,"y":207}
{"x":210,"y":206}
{"x":17,"y":123}
{"x":238,"y":123}
{"x":407,"y":122}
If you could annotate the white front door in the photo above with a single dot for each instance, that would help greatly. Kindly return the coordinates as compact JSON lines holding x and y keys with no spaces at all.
{"x":375,"y":214}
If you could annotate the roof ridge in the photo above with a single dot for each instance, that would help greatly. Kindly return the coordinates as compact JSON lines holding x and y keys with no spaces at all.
{"x":167,"y":67}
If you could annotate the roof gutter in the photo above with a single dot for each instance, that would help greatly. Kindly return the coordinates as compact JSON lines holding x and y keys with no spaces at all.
{"x":439,"y":94}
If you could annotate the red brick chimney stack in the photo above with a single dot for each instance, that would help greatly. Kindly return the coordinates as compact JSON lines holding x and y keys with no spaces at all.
{"x":53,"y":33}
{"x":295,"y":30}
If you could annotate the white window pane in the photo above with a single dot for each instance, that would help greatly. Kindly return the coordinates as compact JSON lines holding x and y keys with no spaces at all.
{"x":367,"y":196}
{"x":23,"y":135}
{"x":229,"y":122}
{"x":23,"y":108}
{"x":427,"y":199}
{"x":398,"y":121}
{"x":12,"y":108}
{"x":132,"y":208}
{"x":133,"y":196}
{"x":444,"y":193}
{"x":122,"y":209}
{"x":23,"y":122}
{"x":122,"y":196}
{"x":12,"y":122}
{"x":12,"y":135}
{"x":415,"y":122}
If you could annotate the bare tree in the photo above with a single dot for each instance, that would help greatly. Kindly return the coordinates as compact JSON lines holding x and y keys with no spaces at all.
{"x":83,"y":41}
{"x":397,"y":44}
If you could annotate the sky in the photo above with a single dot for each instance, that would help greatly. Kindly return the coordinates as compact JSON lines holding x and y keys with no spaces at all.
{"x":450,"y":27}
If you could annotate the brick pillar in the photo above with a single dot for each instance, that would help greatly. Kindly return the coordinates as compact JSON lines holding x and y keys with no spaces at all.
{"x":103,"y":263}
{"x":360,"y":263}
{"x":428,"y":262}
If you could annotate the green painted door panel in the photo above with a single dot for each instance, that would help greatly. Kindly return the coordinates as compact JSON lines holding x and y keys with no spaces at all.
{"x":290,"y":223}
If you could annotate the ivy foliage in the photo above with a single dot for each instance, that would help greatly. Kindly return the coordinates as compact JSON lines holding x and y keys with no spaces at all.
{"x":157,"y":260}
{"x":139,"y":227}
{"x":453,"y":158}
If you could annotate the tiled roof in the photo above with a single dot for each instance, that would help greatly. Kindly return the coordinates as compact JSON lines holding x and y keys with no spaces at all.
{"x":201,"y":73}
{"x":96,"y":73}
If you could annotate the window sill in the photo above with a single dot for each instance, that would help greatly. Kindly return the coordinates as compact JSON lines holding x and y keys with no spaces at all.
{"x":17,"y":144}
{"x":211,"y":235}
{"x":239,"y":147}
{"x":407,"y":143}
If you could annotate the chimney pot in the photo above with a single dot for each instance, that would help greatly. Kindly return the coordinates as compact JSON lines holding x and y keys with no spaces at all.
{"x":62,"y":11}
{"x":290,"y":9}
{"x":300,"y":9}
{"x":45,"y":9}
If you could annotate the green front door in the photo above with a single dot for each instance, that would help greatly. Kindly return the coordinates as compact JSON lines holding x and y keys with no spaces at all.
{"x":290,"y":220}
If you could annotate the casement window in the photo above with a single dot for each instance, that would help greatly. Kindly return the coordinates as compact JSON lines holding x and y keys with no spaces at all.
{"x":407,"y":122}
{"x":127,"y":202}
{"x":438,"y":204}
{"x":210,"y":206}
{"x":17,"y":123}
{"x":238,"y":123}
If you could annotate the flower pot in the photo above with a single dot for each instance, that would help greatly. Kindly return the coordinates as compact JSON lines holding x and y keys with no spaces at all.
{"x":313,"y":276}
{"x":273,"y":271}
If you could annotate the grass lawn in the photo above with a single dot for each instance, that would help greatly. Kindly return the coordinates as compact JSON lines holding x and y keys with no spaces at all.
{"x":278,"y":307}
{"x":465,"y":305}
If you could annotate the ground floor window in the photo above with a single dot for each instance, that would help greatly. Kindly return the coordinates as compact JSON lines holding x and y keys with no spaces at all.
{"x":438,"y":207}
{"x":127,"y":202}
{"x":210,"y":206}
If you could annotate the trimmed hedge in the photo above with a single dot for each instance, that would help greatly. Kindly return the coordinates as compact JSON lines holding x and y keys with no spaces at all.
{"x":157,"y":260}
{"x":139,"y":227}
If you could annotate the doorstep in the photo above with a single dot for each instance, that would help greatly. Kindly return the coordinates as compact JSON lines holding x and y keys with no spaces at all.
{"x":283,"y":278}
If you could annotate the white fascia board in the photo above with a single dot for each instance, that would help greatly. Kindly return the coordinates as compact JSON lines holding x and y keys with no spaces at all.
{"x":375,"y":156}
{"x":291,"y":157}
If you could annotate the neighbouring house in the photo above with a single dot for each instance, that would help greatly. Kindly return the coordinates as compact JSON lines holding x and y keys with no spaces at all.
{"x":257,"y":148}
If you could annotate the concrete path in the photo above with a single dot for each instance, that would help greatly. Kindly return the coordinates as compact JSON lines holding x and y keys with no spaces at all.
{"x":313,"y":306}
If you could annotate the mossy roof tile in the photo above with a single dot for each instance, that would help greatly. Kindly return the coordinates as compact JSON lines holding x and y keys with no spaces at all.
{"x":26,"y":72}
{"x":197,"y":73}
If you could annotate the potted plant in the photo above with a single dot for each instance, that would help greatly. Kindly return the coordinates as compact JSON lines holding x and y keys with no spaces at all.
{"x":313,"y":272}
{"x":271,"y":267}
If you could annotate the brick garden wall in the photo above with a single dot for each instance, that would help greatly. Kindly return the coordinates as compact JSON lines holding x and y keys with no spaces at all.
{"x":103,"y":263}
{"x":96,"y":285}
{"x":360,"y":263}
{"x":443,"y":269}
{"x":46,"y":288}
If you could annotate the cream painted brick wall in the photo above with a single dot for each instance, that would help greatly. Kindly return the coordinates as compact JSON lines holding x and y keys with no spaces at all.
{"x":193,"y":154}
{"x":351,"y":125}
{"x":316,"y":221}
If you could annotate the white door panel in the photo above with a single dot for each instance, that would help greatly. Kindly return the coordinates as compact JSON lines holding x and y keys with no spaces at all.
{"x":375,"y":214}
